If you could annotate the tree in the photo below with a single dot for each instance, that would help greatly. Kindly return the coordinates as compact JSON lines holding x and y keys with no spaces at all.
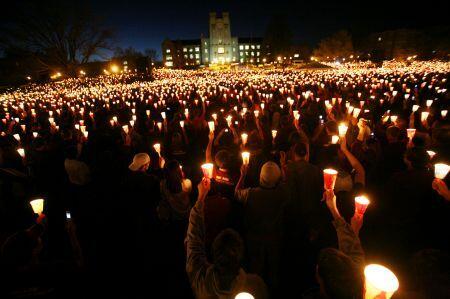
{"x":57,"y":34}
{"x":278,"y":37}
{"x":338,"y":45}
{"x":152,"y":54}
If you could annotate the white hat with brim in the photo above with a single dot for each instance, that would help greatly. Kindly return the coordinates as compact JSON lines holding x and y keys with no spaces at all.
{"x":139,"y":160}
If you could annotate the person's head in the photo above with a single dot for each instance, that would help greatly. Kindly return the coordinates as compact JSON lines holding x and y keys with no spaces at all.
{"x":393,"y":134}
{"x":301,"y":151}
{"x":141,"y":162}
{"x":228,"y":251}
{"x":344,"y":181}
{"x":222,"y":159}
{"x":173,"y":176}
{"x":416,"y":158}
{"x":339,"y":277}
{"x":270,"y":175}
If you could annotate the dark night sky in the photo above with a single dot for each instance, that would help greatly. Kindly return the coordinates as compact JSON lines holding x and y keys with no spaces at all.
{"x":144,"y":24}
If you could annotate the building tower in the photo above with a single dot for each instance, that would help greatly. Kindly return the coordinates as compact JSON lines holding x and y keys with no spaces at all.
{"x":222,"y":47}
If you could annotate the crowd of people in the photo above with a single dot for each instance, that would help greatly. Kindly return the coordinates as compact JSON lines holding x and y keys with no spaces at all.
{"x":146,"y":189}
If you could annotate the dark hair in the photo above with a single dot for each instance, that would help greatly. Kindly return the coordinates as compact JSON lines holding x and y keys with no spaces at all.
{"x":222,"y":159}
{"x":173,"y":176}
{"x":393,"y":132}
{"x":228,"y":251}
{"x":300,"y":149}
{"x":332,"y":126}
{"x":418,"y":157}
{"x":342,"y":278}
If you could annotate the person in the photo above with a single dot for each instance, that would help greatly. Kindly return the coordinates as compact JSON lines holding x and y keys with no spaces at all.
{"x":224,"y":277}
{"x":175,"y":190}
{"x":339,"y":271}
{"x":263,"y":212}
{"x":441,"y":187}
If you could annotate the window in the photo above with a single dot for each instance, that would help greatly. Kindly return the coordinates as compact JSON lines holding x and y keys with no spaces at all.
{"x":185,"y":56}
{"x":197,"y":49}
{"x":197,"y":56}
{"x":246,"y":47}
{"x":191,"y":50}
{"x":257,"y":59}
{"x":241,"y":53}
{"x":169,"y":57}
{"x":197,"y":61}
{"x":253,"y":53}
{"x":234,"y":58}
{"x":221,"y":50}
{"x":234,"y":49}
{"x":206,"y":50}
{"x":184,"y":49}
{"x":257,"y":53}
{"x":167,"y":50}
{"x":191,"y":56}
{"x":241,"y":47}
{"x":246,"y":53}
{"x":241,"y":60}
{"x":258,"y":46}
{"x":253,"y":46}
{"x":169,"y":63}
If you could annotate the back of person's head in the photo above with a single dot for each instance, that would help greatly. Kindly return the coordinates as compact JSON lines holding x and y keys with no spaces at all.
{"x":301,"y":150}
{"x":222,"y":159}
{"x":270,"y":175}
{"x":228,"y":251}
{"x":417,"y":157}
{"x":173,"y":176}
{"x":393,"y":133}
{"x":340,"y":277}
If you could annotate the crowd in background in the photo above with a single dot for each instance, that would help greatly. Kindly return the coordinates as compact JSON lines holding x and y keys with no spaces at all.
{"x":129,"y":211}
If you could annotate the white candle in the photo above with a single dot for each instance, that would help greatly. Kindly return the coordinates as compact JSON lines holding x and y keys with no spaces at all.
{"x":380,"y":282}
{"x":37,"y":205}
{"x":334,"y":139}
{"x":245,"y":158}
{"x":21,"y":152}
{"x":441,"y":170}
{"x":342,"y":129}
{"x":244,"y":295}
{"x":157,"y":148}
{"x":274,"y":134}
{"x":211,"y":126}
{"x":244,"y":137}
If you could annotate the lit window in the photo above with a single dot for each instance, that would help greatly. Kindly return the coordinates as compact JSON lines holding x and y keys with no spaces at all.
{"x":184,"y":49}
{"x":187,"y":63}
{"x":246,"y":53}
{"x":169,"y":63}
{"x":253,"y":53}
{"x":257,"y":53}
{"x":241,"y":53}
{"x":257,"y":59}
{"x":241,"y":47}
{"x":206,"y":58}
{"x":197,"y":49}
{"x":197,"y":56}
{"x":169,"y":57}
{"x":197,"y":61}
{"x":185,"y":56}
{"x":258,"y":46}
{"x":246,"y":47}
{"x":167,"y":50}
{"x":191,"y":50}
{"x":242,"y":60}
{"x":206,"y":50}
{"x":221,"y":50}
{"x":191,"y":56}
{"x":253,"y":46}
{"x":234,"y":58}
{"x":234,"y":49}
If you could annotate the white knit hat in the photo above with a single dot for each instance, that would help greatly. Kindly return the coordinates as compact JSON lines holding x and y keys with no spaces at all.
{"x":270,"y":175}
{"x":139,"y":160}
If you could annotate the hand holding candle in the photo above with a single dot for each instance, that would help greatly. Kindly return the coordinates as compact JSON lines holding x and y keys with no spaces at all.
{"x":207,"y":169}
{"x":245,"y":158}
{"x":380,"y":282}
{"x":361,"y":203}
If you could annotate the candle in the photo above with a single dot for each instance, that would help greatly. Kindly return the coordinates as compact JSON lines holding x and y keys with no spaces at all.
{"x":35,"y":134}
{"x":186,"y":112}
{"x":329,"y":178}
{"x":244,"y":137}
{"x":380,"y":282}
{"x":393,"y":118}
{"x":411,"y":133}
{"x":424,"y":115}
{"x":211,"y":126}
{"x":444,"y":113}
{"x":244,"y":295}
{"x":274,"y":134}
{"x":207,"y":169}
{"x":86,"y":133}
{"x":256,"y":112}
{"x":431,"y":154}
{"x":182,"y":123}
{"x":356,"y":112}
{"x":441,"y":170}
{"x":159,"y":124}
{"x":157,"y":148}
{"x":37,"y":205}
{"x":342,"y":129}
{"x":214,"y":116}
{"x":21,"y":152}
{"x":361,"y":203}
{"x":163,"y":115}
{"x":334,"y":139}
{"x":415,"y":108}
{"x":245,"y":158}
{"x":17,"y":137}
{"x":125,"y":129}
{"x":429,"y":103}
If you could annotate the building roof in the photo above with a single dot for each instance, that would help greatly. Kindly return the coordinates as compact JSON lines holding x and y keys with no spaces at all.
{"x":250,"y":40}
